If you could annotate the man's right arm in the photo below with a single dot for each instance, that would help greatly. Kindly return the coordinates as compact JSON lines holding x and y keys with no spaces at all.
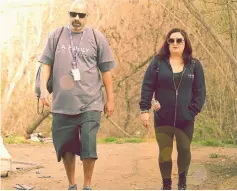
{"x":44,"y":77}
{"x":47,"y":60}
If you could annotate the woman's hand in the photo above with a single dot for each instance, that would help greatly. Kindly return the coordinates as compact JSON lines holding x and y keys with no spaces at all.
{"x":156,"y":105}
{"x":145,"y":117}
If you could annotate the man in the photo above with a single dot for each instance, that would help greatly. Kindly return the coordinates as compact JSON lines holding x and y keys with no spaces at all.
{"x":77,"y":96}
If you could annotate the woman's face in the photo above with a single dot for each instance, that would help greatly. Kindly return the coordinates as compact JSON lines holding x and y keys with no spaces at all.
{"x":176,"y":43}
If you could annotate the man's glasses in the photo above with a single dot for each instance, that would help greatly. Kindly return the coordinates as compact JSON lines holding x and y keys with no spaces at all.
{"x":177,"y":40}
{"x":80,"y":15}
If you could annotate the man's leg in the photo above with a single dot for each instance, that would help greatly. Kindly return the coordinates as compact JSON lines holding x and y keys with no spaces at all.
{"x":69,"y":164}
{"x":88,"y":167}
{"x":65,"y":140}
{"x":88,"y":133}
{"x":88,"y":152}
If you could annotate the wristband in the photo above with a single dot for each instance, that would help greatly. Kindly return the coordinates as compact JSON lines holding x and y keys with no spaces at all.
{"x":144,"y":111}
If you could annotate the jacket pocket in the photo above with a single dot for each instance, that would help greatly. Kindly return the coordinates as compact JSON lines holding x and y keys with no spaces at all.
{"x":164,"y":116}
{"x":162,"y":113}
{"x":184,"y":114}
{"x":160,"y":117}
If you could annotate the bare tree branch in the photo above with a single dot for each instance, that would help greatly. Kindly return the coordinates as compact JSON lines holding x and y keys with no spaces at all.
{"x":193,"y":10}
{"x":134,"y":71}
{"x":116,"y":125}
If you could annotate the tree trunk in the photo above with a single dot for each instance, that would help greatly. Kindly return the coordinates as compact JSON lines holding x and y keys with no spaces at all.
{"x":36,"y":123}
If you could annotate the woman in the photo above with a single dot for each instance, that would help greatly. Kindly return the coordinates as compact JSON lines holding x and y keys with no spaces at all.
{"x":177,"y":81}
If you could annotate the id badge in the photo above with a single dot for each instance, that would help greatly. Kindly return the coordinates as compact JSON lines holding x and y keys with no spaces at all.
{"x":76,"y":74}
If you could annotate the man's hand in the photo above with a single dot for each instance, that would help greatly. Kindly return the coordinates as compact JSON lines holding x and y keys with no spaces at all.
{"x":109,"y":108}
{"x":44,"y":98}
{"x":145,"y":117}
{"x":108,"y":82}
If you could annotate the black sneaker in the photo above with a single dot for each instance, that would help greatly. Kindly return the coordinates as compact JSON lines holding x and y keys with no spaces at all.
{"x":182,"y":186}
{"x":167,"y":187}
{"x":166,"y":184}
{"x":182,"y":181}
{"x":73,"y":187}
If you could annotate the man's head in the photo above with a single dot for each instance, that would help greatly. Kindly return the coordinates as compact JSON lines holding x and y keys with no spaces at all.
{"x":78,"y":13}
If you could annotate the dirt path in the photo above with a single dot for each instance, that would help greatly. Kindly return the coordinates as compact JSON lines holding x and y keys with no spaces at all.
{"x":125,"y":166}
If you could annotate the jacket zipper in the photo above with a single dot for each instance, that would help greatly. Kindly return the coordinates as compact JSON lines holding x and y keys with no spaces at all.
{"x":176,"y":96}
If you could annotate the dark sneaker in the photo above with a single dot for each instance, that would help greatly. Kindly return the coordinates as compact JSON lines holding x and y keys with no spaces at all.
{"x":87,"y":188}
{"x":182,"y":183}
{"x":73,"y":187}
{"x":166,"y":187}
{"x":166,"y":184}
{"x":182,"y":186}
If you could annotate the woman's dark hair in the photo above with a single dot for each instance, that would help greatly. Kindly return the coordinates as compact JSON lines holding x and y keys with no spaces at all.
{"x":164,"y":52}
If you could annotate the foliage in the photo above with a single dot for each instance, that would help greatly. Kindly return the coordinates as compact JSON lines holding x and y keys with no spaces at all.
{"x":120,"y":140}
{"x":213,"y":155}
{"x":15,"y":140}
{"x":135,"y":31}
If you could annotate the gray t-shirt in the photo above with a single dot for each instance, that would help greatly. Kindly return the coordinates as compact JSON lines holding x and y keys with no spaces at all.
{"x":75,"y":97}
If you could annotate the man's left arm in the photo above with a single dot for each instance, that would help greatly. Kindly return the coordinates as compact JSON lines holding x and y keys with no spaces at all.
{"x":105,"y":64}
{"x":108,"y":83}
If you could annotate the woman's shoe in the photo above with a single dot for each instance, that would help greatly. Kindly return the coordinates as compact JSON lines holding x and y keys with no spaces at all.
{"x":166,"y":184}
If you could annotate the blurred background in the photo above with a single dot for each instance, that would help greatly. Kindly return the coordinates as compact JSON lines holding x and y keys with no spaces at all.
{"x":135,"y":30}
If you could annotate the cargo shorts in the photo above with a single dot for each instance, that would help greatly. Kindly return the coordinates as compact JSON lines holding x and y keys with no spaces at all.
{"x":76,"y":134}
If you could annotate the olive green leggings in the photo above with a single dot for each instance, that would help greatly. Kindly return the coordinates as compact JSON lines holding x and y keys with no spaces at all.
{"x":165,"y":136}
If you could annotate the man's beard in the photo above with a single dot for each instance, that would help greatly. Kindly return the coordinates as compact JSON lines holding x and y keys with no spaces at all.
{"x":76,"y":24}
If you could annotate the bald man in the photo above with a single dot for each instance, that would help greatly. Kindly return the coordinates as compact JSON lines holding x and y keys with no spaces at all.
{"x":82,"y":53}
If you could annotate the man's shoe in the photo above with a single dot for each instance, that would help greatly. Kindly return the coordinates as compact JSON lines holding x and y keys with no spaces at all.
{"x":87,"y":188}
{"x":73,"y":187}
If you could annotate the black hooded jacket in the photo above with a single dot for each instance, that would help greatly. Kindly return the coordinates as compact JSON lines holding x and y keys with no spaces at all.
{"x":181,"y":105}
